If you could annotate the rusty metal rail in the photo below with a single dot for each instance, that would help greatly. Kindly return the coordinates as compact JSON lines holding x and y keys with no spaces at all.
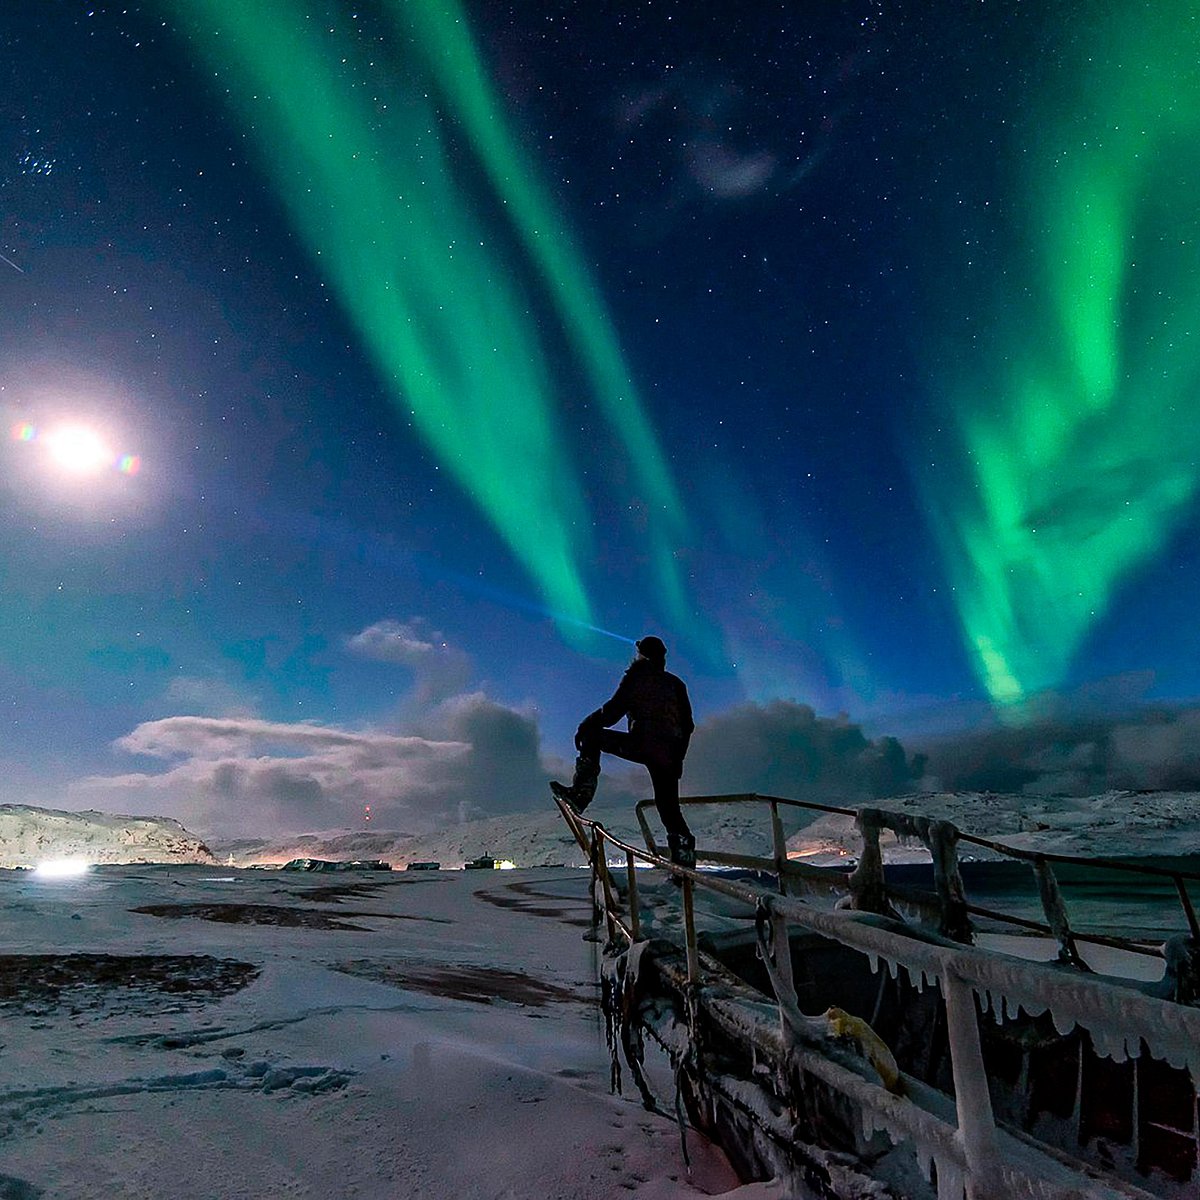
{"x":1119,"y":1019}
{"x":1057,"y":925}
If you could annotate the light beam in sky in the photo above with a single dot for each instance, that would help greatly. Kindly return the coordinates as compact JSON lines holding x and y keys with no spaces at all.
{"x":365,"y":146}
{"x":1071,"y":401}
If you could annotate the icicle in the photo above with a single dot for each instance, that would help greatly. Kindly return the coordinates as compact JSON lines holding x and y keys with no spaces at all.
{"x":949,"y":1181}
{"x":893,"y":967}
{"x":1191,"y":1056}
{"x":873,"y":961}
{"x":1110,"y":1043}
{"x":924,"y":1161}
{"x":681,"y":1118}
{"x":1063,"y":1023}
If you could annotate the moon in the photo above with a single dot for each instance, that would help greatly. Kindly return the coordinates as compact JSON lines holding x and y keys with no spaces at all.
{"x":78,"y":450}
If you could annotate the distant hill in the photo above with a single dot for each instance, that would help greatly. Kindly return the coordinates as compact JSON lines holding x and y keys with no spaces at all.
{"x":30,"y":835}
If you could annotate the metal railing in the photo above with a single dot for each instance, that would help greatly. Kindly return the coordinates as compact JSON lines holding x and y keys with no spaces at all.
{"x":791,"y":874}
{"x":1119,"y":1019}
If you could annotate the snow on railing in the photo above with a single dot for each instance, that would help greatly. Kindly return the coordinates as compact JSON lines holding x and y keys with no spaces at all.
{"x":870,"y":889}
{"x":1119,"y":1019}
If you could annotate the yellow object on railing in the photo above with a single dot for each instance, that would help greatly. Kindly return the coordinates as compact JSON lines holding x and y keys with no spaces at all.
{"x":874,"y":1048}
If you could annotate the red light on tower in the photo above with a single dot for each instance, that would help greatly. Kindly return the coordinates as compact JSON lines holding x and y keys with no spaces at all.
{"x":366,"y":812}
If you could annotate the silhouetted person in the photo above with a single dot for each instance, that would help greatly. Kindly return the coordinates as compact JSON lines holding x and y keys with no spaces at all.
{"x":660,"y":727}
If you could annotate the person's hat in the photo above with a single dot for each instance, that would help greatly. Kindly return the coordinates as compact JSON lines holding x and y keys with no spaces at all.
{"x":652,"y":648}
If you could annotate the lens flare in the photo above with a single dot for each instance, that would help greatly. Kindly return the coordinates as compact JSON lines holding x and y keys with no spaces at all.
{"x":76,"y":449}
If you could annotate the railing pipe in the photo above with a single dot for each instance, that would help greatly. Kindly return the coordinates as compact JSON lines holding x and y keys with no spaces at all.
{"x":962,"y":971}
{"x":1055,"y":909}
{"x":1092,"y":1002}
{"x":779,"y":844}
{"x":976,"y":1124}
{"x":610,"y":904}
{"x":1189,"y":911}
{"x":782,"y":949}
{"x":689,"y":925}
{"x":635,"y":920}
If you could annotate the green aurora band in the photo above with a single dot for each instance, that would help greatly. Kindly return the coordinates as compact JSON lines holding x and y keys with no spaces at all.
{"x":380,"y":190}
{"x":1074,"y":452}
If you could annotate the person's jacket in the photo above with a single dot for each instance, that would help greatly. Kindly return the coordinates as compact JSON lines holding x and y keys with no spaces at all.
{"x":656,"y":703}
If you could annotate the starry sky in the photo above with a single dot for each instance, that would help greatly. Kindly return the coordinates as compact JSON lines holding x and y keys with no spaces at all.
{"x":373,"y":374}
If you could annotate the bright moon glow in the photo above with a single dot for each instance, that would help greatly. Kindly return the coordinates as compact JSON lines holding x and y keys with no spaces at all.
{"x":62,"y":868}
{"x":78,"y":449}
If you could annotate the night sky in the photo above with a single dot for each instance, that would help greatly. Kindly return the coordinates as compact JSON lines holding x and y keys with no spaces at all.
{"x":374,"y":373}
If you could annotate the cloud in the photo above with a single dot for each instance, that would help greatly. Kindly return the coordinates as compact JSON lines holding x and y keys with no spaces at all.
{"x":209,"y":695}
{"x":1075,"y":753}
{"x":727,"y":173}
{"x":503,"y":770}
{"x":217,"y":737}
{"x":439,"y":669}
{"x":242,"y":777}
{"x":252,"y":776}
{"x":784,"y":749}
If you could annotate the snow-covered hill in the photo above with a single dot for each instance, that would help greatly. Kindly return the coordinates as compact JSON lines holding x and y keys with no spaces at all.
{"x":1114,"y":824}
{"x":1111,"y":825}
{"x":532,"y":839}
{"x":30,"y":835}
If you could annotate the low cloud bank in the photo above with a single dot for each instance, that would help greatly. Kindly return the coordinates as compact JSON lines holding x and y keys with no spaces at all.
{"x":465,"y":758}
{"x":785,"y":749}
{"x":247,"y":776}
{"x":1083,"y":754}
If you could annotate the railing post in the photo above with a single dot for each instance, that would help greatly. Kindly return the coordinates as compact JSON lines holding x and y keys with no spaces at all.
{"x":1056,"y":913}
{"x":610,"y":920}
{"x":593,"y":857}
{"x":942,"y":840}
{"x":573,"y":824}
{"x":976,"y":1125}
{"x":783,"y":953}
{"x":868,"y":889}
{"x":779,"y":844}
{"x":689,"y":925}
{"x":647,"y":832}
{"x":1188,"y":910}
{"x":635,"y":923}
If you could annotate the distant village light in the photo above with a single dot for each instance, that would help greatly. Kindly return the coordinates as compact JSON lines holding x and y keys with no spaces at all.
{"x":62,"y":868}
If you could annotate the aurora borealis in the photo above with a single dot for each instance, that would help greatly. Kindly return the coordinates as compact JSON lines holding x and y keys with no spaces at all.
{"x":1073,"y":421}
{"x":458,"y":344}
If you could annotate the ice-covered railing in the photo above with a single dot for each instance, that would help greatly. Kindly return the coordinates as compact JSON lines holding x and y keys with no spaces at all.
{"x":1120,"y":1020}
{"x":870,"y":889}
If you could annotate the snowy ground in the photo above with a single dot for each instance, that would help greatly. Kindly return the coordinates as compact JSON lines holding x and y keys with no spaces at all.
{"x":285,"y":1035}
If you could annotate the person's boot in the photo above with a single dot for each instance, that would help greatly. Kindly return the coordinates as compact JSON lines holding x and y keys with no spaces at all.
{"x":583,"y":786}
{"x":683,"y":850}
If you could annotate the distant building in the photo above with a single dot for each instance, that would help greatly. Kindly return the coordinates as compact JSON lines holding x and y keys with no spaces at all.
{"x":485,"y":862}
{"x":322,"y":864}
{"x":424,"y":866}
